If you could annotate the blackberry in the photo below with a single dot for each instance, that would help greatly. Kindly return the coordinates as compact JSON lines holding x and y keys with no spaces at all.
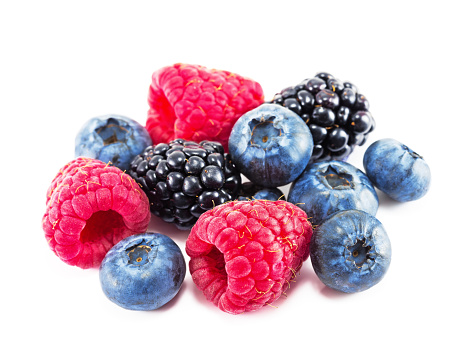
{"x":336,"y":113}
{"x":183,"y":179}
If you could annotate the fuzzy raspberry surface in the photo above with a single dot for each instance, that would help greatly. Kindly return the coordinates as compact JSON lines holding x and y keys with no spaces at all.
{"x":91,"y":206}
{"x":243,"y":254}
{"x":195,"y":103}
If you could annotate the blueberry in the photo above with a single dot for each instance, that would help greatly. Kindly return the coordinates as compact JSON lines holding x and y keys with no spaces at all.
{"x":272,"y":194}
{"x":350,"y":251}
{"x":270,"y":145}
{"x":396,"y":170}
{"x":112,"y":139}
{"x":143,"y":271}
{"x":327,"y":187}
{"x":250,"y":191}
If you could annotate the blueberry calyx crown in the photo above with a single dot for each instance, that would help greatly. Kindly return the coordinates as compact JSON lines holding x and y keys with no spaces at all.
{"x":263,"y":132}
{"x":411,"y":152}
{"x":338,"y":180}
{"x":139,"y":255}
{"x":336,"y":113}
{"x":361,"y":254}
{"x":113,"y":132}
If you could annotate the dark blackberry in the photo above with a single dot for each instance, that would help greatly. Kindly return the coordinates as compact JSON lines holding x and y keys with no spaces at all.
{"x":337,"y":114}
{"x":184,"y":179}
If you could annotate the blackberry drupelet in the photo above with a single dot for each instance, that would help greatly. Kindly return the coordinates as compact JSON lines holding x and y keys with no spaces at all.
{"x":336,"y":113}
{"x":183,"y":179}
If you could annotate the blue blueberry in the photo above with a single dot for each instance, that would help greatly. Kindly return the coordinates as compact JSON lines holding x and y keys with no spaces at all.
{"x":350,"y":251}
{"x":270,"y":145}
{"x":327,"y":187}
{"x":112,"y":138}
{"x":397,"y":170}
{"x":143,"y":271}
{"x":250,"y":191}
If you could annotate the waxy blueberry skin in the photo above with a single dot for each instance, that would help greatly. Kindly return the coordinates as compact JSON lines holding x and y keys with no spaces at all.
{"x":397,"y":170}
{"x":270,"y":145}
{"x":350,"y":251}
{"x":250,"y":191}
{"x":113,"y":139}
{"x":326,"y":187}
{"x":143,"y":271}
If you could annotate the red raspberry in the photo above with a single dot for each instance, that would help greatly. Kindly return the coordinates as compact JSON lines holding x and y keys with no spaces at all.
{"x":195,"y":103}
{"x":245,"y":253}
{"x":91,"y":206}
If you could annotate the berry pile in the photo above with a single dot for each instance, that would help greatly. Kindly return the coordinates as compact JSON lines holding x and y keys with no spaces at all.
{"x":336,"y":113}
{"x":183,"y":179}
{"x":246,"y":243}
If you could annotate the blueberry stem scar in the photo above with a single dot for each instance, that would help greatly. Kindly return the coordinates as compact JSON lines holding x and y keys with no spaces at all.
{"x":360,"y":253}
{"x":412,"y":153}
{"x":139,"y":255}
{"x":263,"y":132}
{"x":336,"y":179}
{"x":112,"y":132}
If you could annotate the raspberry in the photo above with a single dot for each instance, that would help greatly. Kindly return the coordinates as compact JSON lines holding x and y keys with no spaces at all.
{"x":91,"y":206}
{"x":196,"y":103}
{"x":243,"y":254}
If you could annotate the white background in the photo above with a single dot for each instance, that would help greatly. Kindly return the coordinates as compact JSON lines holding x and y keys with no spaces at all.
{"x":62,"y":64}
